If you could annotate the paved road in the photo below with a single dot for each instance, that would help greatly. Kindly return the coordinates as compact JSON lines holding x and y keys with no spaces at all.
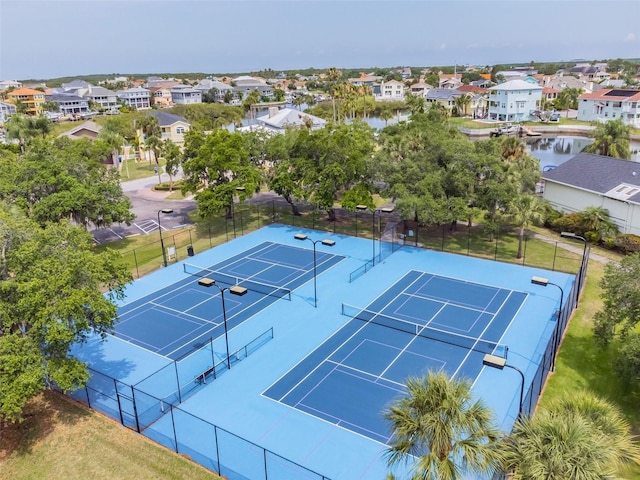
{"x":146,"y":204}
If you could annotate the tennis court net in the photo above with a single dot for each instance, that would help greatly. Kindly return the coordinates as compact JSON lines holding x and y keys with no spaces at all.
{"x":225,"y":279}
{"x":451,"y":338}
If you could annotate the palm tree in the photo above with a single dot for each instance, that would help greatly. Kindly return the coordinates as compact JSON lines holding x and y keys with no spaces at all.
{"x":333,"y":74}
{"x":512,"y":148}
{"x":524,"y":210}
{"x":440,"y":428}
{"x":611,"y":140}
{"x":579,"y":437}
{"x":462,"y":102}
{"x":386,"y":114}
{"x":365,"y":91}
{"x":415,"y":103}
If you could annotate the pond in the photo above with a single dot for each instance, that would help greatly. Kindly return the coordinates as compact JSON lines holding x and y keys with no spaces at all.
{"x":554,"y":151}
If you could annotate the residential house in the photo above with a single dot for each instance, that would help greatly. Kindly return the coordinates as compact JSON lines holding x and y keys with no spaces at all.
{"x":217,"y":88}
{"x":6,"y":110}
{"x":173,"y":127}
{"x":549,"y":94}
{"x":107,"y":99}
{"x":74,"y":85}
{"x":88,"y":130}
{"x":185,"y":95}
{"x":390,"y":90}
{"x":161,"y":82}
{"x":610,"y":104}
{"x":514,"y":101}
{"x":70,"y":105}
{"x":597,"y":181}
{"x":365,"y":79}
{"x":244,"y":85}
{"x":161,"y":96}
{"x":444,"y":96}
{"x":479,"y":102}
{"x":449,"y":80}
{"x":4,"y":84}
{"x":420,"y":89}
{"x":32,"y":99}
{"x":278,"y":121}
{"x":482,"y":83}
{"x":560,"y":83}
{"x":137,"y":97}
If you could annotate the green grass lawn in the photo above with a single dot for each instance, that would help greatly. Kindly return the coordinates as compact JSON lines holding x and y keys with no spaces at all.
{"x":583,"y":364}
{"x":62,"y":440}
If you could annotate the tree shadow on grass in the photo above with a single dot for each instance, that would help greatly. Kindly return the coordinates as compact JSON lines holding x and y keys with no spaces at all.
{"x":41,"y":417}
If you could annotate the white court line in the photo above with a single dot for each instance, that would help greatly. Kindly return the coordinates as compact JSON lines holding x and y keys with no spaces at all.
{"x":180,"y":312}
{"x":326,"y":357}
{"x":483,"y":332}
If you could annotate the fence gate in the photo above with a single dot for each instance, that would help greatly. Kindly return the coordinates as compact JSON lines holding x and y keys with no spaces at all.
{"x":127,"y":406}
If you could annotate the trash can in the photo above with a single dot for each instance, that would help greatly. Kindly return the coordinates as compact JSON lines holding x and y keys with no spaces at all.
{"x":190,"y":251}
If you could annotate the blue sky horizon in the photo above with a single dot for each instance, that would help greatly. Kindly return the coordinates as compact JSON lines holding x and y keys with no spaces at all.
{"x":59,"y":38}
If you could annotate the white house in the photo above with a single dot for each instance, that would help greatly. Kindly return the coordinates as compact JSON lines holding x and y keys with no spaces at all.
{"x":514,"y":101}
{"x":596,"y":181}
{"x":391,"y":90}
{"x":185,"y":95}
{"x":6,"y":110}
{"x":610,"y":104}
{"x":278,"y":121}
{"x":244,"y":85}
{"x":138,"y":97}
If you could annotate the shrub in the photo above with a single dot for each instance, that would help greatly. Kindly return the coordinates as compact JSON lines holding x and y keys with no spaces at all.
{"x":166,"y":186}
{"x":572,"y":222}
{"x":627,"y":243}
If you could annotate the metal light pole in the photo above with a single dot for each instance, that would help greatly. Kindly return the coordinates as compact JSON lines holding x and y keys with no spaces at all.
{"x":233,"y":210}
{"x":328,"y":243}
{"x":494,"y":361}
{"x":235,"y":290}
{"x":584,"y":252}
{"x":556,"y":341}
{"x":164,"y":254}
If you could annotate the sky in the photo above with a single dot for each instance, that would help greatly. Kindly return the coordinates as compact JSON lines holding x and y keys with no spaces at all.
{"x":55,"y":38}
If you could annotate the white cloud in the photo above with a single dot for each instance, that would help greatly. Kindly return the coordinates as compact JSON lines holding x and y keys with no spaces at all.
{"x":443,"y":46}
{"x":630,"y":37}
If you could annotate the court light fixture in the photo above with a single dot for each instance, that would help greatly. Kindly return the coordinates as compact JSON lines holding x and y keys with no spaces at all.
{"x":327,"y":242}
{"x":556,"y":340}
{"x":164,"y":254}
{"x":499,"y":363}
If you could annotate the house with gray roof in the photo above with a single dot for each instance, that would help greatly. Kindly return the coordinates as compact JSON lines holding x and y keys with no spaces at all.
{"x":137,"y":97}
{"x":243,"y":85}
{"x":173,"y":127}
{"x":588,"y":180}
{"x":218,"y":89}
{"x":70,"y":105}
{"x":185,"y":95}
{"x":444,"y":96}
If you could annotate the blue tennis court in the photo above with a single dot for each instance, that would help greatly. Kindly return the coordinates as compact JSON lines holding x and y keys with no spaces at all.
{"x":179,"y":318}
{"x":423,"y":322}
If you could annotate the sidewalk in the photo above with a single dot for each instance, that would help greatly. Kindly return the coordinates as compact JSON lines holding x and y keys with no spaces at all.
{"x":576,"y":247}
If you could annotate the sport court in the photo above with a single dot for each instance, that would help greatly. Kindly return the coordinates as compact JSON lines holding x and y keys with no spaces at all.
{"x":178,"y":319}
{"x":311,"y":398}
{"x":423,"y":322}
